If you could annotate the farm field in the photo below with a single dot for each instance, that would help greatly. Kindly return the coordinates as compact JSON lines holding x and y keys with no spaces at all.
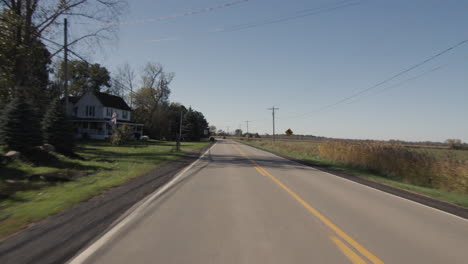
{"x":437,"y":172}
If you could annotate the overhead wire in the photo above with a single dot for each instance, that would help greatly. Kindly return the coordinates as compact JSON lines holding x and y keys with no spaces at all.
{"x":305,"y":13}
{"x":272,"y":20}
{"x":419,"y":76}
{"x":387,"y":80}
{"x":188,"y":13}
{"x":76,"y":55}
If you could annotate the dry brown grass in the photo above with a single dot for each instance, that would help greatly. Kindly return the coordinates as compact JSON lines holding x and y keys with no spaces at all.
{"x":398,"y":162}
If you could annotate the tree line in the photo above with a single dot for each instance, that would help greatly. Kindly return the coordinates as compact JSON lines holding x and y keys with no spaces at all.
{"x":152,"y":107}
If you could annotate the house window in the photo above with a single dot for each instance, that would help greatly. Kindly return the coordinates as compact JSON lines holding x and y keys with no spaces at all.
{"x":109,"y":111}
{"x":90,"y":110}
{"x":75,"y":111}
{"x":124,"y":114}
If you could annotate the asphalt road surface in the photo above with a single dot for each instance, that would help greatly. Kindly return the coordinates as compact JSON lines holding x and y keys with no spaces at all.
{"x":238,"y":204}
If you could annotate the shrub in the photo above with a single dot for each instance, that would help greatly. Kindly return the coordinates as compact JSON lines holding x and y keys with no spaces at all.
{"x":122,"y":134}
{"x":454,"y":143}
{"x":57,"y":130}
{"x":20,"y":126}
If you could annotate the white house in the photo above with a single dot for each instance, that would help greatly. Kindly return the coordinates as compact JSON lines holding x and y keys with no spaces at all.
{"x":92,"y":114}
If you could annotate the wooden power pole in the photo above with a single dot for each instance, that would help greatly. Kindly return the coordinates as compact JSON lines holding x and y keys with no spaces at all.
{"x":273,"y":113}
{"x":65,"y":62}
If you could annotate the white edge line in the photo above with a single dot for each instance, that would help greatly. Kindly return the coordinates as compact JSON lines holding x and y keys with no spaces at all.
{"x":360,"y":184}
{"x":134,"y":213}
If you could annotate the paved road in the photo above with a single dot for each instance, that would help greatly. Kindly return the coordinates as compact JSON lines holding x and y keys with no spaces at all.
{"x":242,"y":205}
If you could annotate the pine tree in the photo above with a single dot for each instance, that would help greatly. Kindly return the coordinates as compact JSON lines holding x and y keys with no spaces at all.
{"x":20,"y":126}
{"x":57,"y":129}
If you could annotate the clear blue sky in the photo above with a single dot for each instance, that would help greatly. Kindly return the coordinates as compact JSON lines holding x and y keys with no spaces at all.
{"x":304,"y":64}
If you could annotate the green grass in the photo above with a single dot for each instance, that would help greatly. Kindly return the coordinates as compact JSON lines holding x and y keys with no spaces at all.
{"x":104,"y":166}
{"x":309,"y":153}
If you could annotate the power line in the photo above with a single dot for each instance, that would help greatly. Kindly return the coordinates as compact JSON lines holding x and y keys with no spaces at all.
{"x":308,"y":12}
{"x":188,"y":13}
{"x":407,"y":80}
{"x":88,"y":63}
{"x":272,"y":20}
{"x":347,"y":98}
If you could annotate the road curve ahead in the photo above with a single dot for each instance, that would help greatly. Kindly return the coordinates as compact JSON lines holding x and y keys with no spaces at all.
{"x":238,"y":204}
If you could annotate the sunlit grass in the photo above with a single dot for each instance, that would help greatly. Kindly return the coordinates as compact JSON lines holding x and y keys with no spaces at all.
{"x":104,"y":166}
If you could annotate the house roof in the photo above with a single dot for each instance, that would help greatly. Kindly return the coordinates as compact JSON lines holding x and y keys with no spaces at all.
{"x":112,"y":101}
{"x":73,"y":99}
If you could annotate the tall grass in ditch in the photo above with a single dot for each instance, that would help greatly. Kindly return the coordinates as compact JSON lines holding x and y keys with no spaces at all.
{"x":395,"y":161}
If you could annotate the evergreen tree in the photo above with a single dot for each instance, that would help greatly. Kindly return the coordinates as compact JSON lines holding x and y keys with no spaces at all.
{"x":57,"y":129}
{"x":20,"y":126}
{"x":194,"y":125}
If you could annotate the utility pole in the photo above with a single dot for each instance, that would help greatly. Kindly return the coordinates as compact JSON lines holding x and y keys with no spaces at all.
{"x":273,"y":113}
{"x":179,"y":138}
{"x":65,"y":62}
{"x":228,"y":130}
{"x":247,"y":122}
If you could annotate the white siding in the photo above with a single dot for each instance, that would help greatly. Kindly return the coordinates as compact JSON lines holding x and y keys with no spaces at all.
{"x":70,"y":108}
{"x":90,"y":100}
{"x":100,"y":112}
{"x":105,"y":112}
{"x":120,"y":113}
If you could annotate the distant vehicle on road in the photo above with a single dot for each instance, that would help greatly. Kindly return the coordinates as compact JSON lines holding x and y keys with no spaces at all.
{"x":144,"y":138}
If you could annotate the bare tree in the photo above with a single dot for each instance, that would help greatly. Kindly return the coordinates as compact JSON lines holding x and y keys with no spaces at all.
{"x":151,"y":73}
{"x":454,"y":143}
{"x":33,"y":20}
{"x":124,"y":82}
{"x":157,"y":82}
{"x":40,"y":17}
{"x":151,"y":101}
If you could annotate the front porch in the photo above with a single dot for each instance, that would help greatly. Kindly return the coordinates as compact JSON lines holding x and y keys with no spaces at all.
{"x":102,"y":129}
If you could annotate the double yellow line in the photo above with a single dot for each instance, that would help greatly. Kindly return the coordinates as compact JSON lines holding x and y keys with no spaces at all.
{"x":338,"y":233}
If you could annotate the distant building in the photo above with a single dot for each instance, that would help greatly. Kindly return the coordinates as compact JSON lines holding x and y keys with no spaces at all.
{"x":92,"y":115}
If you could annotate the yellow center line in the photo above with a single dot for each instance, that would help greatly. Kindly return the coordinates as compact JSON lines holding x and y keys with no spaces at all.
{"x":347,"y":251}
{"x":361,"y":249}
{"x":260,"y":171}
